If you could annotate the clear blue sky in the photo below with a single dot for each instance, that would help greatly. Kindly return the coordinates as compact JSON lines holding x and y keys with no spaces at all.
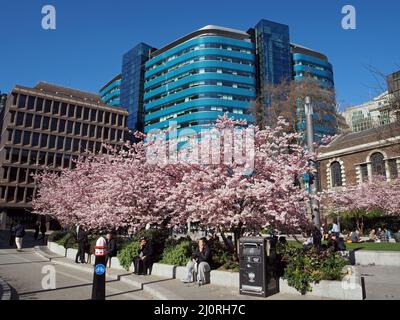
{"x":85,"y":50}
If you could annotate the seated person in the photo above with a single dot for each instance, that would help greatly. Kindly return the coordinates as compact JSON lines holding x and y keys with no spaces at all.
{"x":354,"y":237}
{"x":372,"y":235}
{"x":145,"y":257}
{"x":336,"y":243}
{"x":111,"y":250}
{"x":199,"y":263}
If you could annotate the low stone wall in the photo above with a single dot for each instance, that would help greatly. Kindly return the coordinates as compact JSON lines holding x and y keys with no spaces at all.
{"x":377,"y":258}
{"x":350,"y":288}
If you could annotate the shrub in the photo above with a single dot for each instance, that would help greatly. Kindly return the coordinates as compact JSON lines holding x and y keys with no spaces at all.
{"x":127,"y":252}
{"x":177,"y":252}
{"x":57,"y":235}
{"x":302,"y":268}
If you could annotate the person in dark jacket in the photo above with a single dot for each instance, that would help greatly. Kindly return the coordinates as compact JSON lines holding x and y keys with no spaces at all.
{"x":37,"y":229}
{"x":19,"y":235}
{"x":43,"y":230}
{"x":145,"y":257}
{"x":316,"y":237}
{"x":12,"y":234}
{"x":82,"y":240}
{"x":111,"y":250}
{"x":199,"y":263}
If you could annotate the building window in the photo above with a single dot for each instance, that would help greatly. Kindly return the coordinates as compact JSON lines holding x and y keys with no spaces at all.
{"x":47,"y":106}
{"x":24,"y":156}
{"x":56,"y":107}
{"x":43,"y":142}
{"x":28,"y":120}
{"x":27,"y":138}
{"x":86,"y":114}
{"x":378,"y":164}
{"x":78,"y":112}
{"x":53,"y":125}
{"x":20,"y":119}
{"x":17,"y":136}
{"x":39,"y":104}
{"x":336,"y":174}
{"x":63,"y":109}
{"x":37,"y":121}
{"x":69,"y":126}
{"x":13,"y":174}
{"x":364,"y":172}
{"x":35,"y":139}
{"x":60,"y":143}
{"x":71,"y":111}
{"x":68,"y":143}
{"x":21,"y":101}
{"x":10,"y":194}
{"x":31,"y":103}
{"x":394,"y":174}
{"x":61,"y":129}
{"x":46,"y":122}
{"x":52,"y":142}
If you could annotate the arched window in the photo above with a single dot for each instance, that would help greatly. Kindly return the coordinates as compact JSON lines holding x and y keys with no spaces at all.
{"x":336,"y":174}
{"x":378,"y":164}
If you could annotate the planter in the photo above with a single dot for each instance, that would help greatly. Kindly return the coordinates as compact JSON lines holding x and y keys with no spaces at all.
{"x":350,"y":288}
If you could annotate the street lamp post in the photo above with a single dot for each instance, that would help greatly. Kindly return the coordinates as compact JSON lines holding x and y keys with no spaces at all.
{"x":308,"y":108}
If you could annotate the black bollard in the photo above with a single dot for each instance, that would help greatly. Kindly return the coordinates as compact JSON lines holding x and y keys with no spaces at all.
{"x":99,"y":275}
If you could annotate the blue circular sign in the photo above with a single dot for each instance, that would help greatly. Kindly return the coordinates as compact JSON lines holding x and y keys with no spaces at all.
{"x":100,"y":269}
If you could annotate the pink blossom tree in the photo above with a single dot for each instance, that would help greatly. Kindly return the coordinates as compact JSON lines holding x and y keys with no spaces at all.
{"x":231,"y":178}
{"x":377,"y":195}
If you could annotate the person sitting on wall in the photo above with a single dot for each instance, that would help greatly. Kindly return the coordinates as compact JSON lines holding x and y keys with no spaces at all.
{"x":199,"y":264}
{"x":145,"y":257}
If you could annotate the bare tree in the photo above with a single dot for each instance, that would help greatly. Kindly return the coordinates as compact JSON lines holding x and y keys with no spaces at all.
{"x":286,"y":99}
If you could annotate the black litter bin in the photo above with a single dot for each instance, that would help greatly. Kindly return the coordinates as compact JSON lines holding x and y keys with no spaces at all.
{"x":258,"y":266}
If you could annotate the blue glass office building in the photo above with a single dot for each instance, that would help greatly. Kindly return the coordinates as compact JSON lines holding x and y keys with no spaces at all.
{"x":211,"y":71}
{"x":131,"y":96}
{"x":273,"y":51}
{"x":310,"y":63}
{"x":110,"y":92}
{"x":195,"y":79}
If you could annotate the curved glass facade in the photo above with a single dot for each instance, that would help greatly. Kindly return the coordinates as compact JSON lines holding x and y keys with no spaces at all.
{"x":194,"y":80}
{"x":309,"y":63}
{"x":110,"y":93}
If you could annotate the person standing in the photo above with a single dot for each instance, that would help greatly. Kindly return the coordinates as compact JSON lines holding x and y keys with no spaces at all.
{"x":19,"y":235}
{"x":82,"y":240}
{"x":145,"y":258}
{"x":335,"y":229}
{"x":37,"y":228}
{"x":12,"y":234}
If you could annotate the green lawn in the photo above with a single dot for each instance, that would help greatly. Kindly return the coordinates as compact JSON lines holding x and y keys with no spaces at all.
{"x":363,"y":246}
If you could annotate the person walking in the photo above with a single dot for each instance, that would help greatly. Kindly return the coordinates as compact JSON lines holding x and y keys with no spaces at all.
{"x":43,"y":230}
{"x":82,"y":240}
{"x":19,"y":235}
{"x":37,"y":228}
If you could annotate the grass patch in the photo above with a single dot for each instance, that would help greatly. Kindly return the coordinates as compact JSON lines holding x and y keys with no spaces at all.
{"x":361,"y":246}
